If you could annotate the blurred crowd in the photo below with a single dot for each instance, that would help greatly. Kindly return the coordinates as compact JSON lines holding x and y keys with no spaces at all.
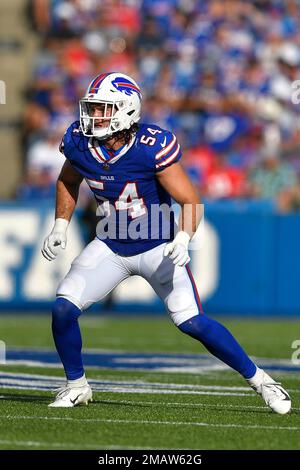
{"x":221,"y":74}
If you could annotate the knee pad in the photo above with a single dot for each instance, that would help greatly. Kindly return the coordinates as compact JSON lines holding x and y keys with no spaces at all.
{"x":72,"y":287}
{"x":181,"y":305}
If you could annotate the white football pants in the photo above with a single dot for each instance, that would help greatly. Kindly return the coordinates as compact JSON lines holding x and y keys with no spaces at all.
{"x":98,"y":270}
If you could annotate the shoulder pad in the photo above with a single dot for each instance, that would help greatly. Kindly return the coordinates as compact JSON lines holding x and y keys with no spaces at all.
{"x":74,"y":138}
{"x":167,"y":150}
{"x":161,"y":144}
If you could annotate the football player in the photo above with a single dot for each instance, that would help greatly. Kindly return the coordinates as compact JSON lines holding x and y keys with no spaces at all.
{"x":131,"y":168}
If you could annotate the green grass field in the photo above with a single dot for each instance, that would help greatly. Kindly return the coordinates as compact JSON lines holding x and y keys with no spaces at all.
{"x":150,"y":409}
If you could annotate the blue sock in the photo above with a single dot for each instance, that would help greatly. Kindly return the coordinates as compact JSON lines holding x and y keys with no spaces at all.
{"x":220,"y":342}
{"x":67,"y":337}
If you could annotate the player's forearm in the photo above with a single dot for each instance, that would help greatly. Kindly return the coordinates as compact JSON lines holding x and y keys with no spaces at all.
{"x":190,"y":217}
{"x":66,"y":199}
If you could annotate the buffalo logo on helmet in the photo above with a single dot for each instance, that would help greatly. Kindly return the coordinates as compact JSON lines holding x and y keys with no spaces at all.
{"x":126,"y":86}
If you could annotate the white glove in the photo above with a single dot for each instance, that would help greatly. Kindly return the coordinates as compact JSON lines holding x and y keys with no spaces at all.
{"x":56,"y":239}
{"x":177,"y":250}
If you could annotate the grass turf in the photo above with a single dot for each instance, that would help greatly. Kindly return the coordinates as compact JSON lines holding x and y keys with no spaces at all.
{"x":148,"y":420}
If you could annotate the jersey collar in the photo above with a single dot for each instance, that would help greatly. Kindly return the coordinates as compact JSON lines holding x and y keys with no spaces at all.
{"x":97,"y":152}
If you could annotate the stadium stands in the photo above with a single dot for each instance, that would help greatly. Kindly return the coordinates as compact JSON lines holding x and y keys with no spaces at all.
{"x":219,"y":73}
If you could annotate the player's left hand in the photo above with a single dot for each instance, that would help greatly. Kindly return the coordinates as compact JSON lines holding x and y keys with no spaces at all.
{"x":177,"y":250}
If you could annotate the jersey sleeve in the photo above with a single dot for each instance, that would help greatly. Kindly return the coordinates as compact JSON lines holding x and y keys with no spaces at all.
{"x":167,"y":151}
{"x":69,"y":140}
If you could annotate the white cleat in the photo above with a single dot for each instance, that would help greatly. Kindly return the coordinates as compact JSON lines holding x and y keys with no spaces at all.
{"x":68,"y":397}
{"x":274,"y":395}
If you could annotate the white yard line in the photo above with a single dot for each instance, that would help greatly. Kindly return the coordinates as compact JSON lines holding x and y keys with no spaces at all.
{"x":95,"y":446}
{"x":204,"y":405}
{"x":149,"y":422}
{"x":34,"y":443}
{"x":32,"y":379}
{"x":115,"y":389}
{"x":48,"y":383}
{"x":74,"y":446}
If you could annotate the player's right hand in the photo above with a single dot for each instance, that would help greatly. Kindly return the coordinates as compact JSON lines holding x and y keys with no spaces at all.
{"x":56,"y":240}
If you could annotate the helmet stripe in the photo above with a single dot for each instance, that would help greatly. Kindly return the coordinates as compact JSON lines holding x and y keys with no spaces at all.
{"x":97,"y":82}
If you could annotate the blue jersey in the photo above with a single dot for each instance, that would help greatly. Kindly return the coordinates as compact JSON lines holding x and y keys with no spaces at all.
{"x":133,"y":206}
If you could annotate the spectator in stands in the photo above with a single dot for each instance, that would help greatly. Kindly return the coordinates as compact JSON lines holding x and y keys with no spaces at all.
{"x":224,"y":181}
{"x":44,"y":162}
{"x":272,"y":177}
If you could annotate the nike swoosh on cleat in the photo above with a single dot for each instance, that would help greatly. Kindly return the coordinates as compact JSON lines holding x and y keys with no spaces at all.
{"x":285,"y":393}
{"x":75,"y":399}
{"x":164,"y":142}
{"x":287,"y":397}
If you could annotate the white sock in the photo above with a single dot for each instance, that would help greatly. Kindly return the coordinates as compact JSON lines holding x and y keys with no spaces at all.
{"x":259,"y":377}
{"x":77,"y":383}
